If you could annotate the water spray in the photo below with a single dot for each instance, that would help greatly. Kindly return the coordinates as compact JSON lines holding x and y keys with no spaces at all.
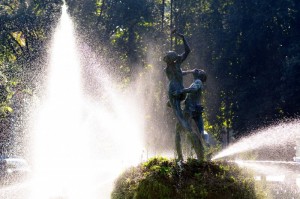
{"x":80,"y":145}
{"x":281,"y":135}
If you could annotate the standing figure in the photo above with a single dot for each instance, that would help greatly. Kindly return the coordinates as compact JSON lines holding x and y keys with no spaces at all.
{"x":175,"y":76}
{"x":193,"y":108}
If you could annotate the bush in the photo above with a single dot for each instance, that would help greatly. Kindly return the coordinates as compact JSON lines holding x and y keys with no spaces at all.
{"x":160,"y":178}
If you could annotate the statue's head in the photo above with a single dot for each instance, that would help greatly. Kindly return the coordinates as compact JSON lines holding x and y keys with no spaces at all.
{"x":171,"y":57}
{"x":200,"y":74}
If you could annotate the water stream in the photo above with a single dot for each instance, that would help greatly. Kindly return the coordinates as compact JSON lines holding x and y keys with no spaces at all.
{"x":280,"y":136}
{"x":80,"y":144}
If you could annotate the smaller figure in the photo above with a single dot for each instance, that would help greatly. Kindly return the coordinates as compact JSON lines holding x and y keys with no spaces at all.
{"x":193,"y":108}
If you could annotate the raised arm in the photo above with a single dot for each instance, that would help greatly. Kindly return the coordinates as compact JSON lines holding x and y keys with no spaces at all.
{"x":187,"y":49}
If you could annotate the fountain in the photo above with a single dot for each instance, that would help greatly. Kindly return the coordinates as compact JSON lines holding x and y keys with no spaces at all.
{"x":83,"y":141}
{"x":81,"y":144}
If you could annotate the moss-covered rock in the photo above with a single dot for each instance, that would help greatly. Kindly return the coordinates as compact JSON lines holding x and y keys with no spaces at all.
{"x":160,"y":178}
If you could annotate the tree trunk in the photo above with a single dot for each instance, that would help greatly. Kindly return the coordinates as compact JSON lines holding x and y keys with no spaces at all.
{"x":171,"y":23}
{"x":102,"y":8}
{"x":162,"y":14}
{"x":176,"y":23}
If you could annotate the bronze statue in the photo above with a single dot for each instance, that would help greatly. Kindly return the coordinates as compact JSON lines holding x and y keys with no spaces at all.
{"x":175,"y":76}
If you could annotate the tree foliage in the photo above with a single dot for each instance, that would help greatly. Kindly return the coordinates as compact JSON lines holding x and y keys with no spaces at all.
{"x":24,"y":29}
{"x":250,"y":50}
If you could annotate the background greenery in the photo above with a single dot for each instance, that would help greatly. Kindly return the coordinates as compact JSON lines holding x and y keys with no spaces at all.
{"x":250,"y":50}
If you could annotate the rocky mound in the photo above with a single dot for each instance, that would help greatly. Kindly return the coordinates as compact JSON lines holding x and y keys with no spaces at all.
{"x":160,"y":178}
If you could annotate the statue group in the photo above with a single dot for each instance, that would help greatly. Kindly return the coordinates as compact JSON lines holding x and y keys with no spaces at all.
{"x":191,"y":97}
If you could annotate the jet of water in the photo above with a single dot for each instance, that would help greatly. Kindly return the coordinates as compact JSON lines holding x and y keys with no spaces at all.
{"x":80,"y":144}
{"x":283,"y":134}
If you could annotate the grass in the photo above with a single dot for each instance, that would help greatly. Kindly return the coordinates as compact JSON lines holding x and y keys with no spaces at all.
{"x":161,"y":178}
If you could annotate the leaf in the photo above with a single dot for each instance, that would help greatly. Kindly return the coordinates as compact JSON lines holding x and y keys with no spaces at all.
{"x":8,"y":109}
{"x":19,"y":37}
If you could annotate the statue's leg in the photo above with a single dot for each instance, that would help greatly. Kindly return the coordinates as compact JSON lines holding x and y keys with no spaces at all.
{"x":179,"y":115}
{"x":197,"y":145}
{"x":178,"y":141}
{"x":199,"y":122}
{"x":195,"y":140}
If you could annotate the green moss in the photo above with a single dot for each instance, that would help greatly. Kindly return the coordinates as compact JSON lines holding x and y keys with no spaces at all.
{"x":161,"y":178}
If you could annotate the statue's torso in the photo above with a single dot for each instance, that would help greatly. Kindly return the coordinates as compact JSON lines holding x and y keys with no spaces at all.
{"x":174,"y":74}
{"x":193,"y":99}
